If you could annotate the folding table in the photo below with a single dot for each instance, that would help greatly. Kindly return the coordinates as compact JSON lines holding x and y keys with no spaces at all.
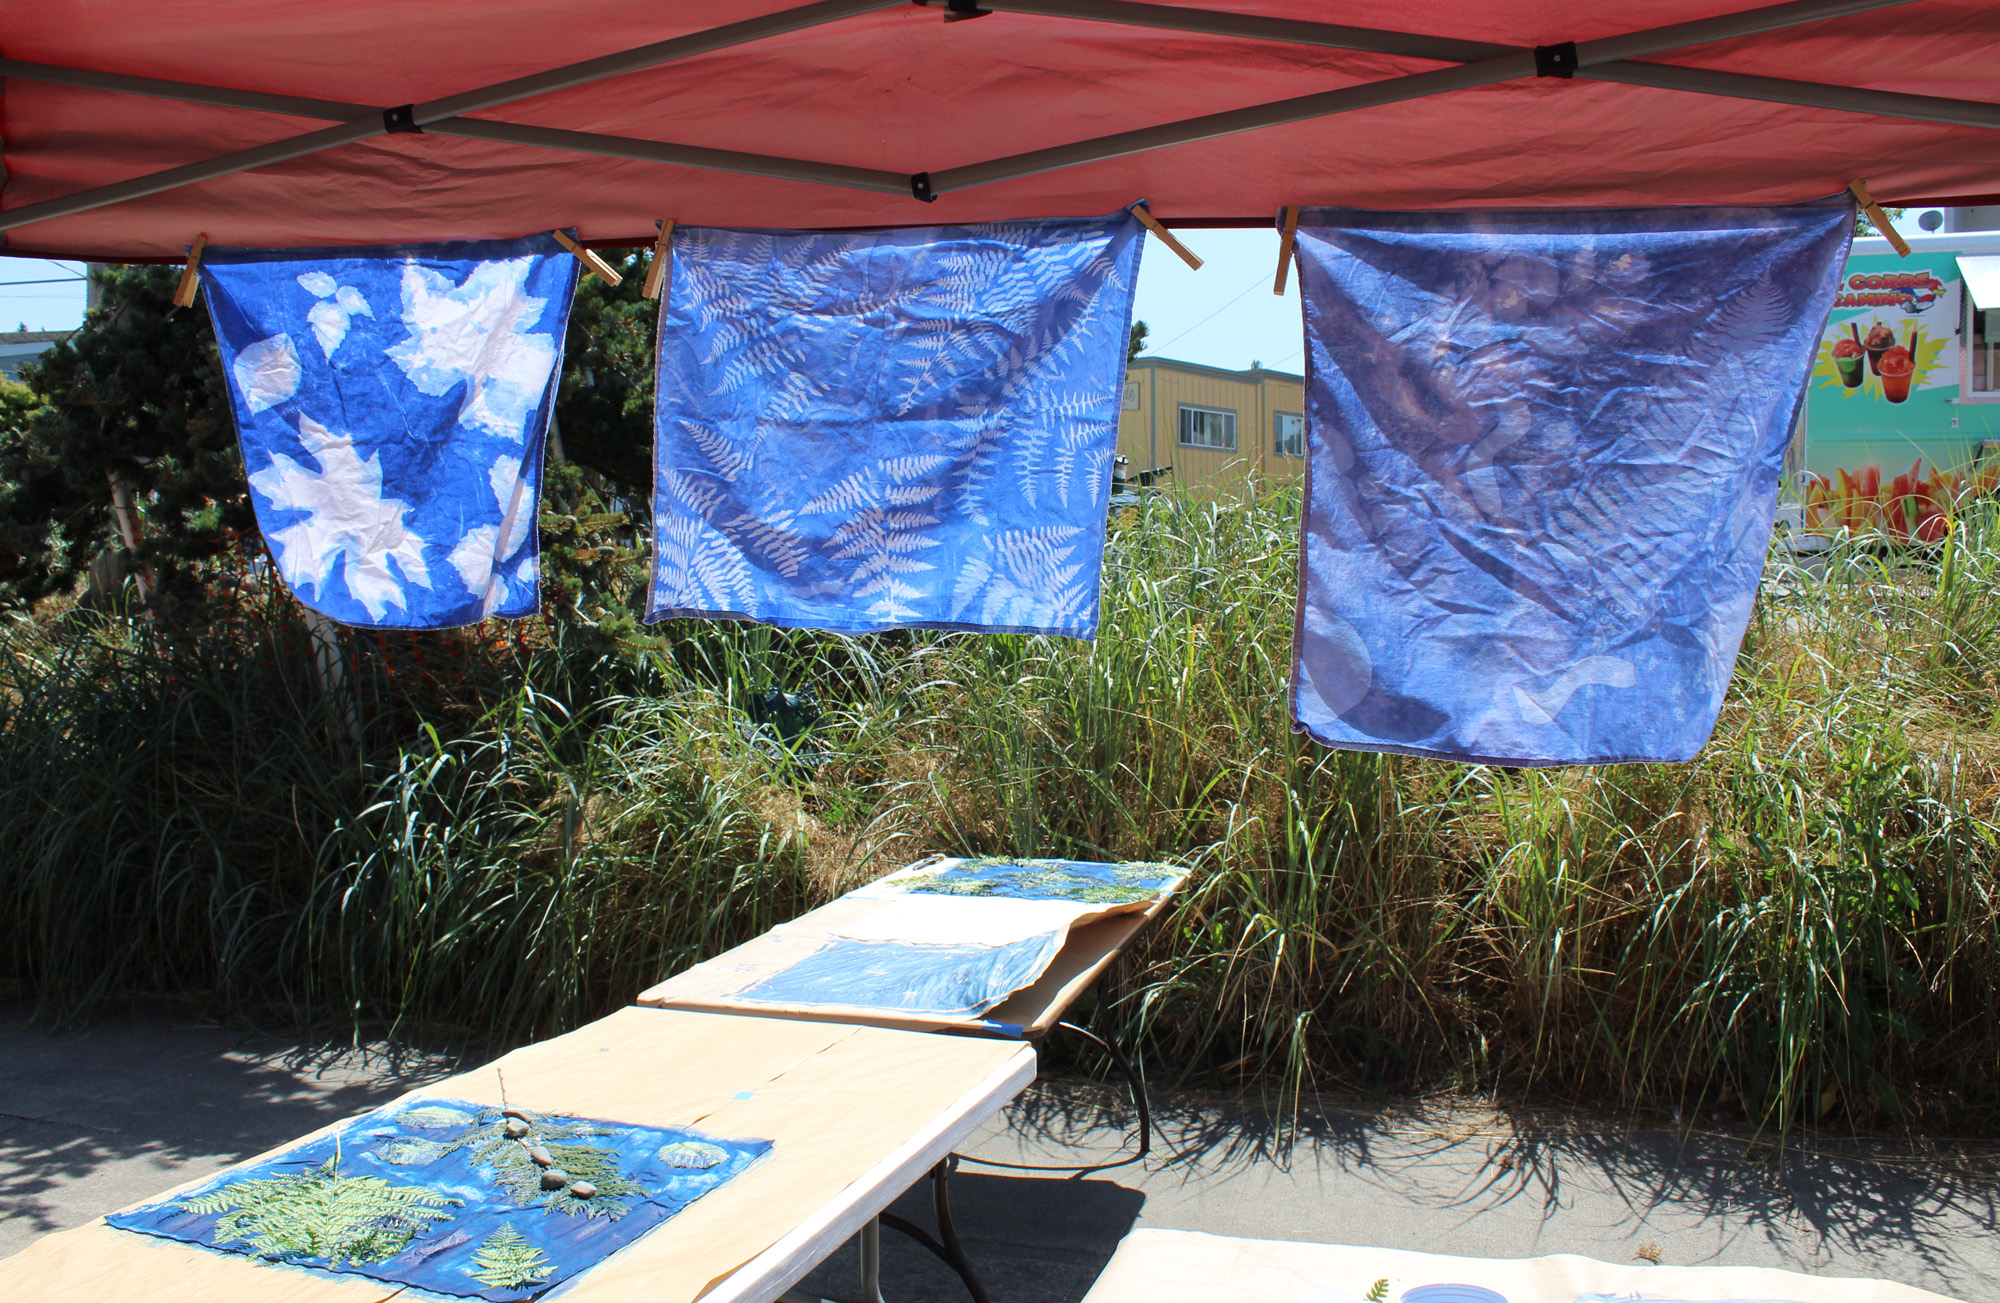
{"x":1030,"y":1014}
{"x":1159,"y":1266}
{"x":857,"y":1114}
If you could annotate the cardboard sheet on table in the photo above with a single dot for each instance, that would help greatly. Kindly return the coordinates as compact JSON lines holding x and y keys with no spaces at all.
{"x":815,"y":1088}
{"x":1190,"y":1267}
{"x":887,"y":912}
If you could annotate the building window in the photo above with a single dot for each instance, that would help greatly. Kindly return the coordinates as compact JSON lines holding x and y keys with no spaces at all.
{"x":1289,"y":438}
{"x":1131,"y":395}
{"x":1207,"y":427}
{"x":1982,"y":359}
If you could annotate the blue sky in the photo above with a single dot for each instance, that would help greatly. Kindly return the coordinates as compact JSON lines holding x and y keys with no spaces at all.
{"x":1222,"y":315}
{"x":40,"y":307}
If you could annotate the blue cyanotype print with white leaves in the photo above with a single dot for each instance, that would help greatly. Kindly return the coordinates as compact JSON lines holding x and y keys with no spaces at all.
{"x":392,"y":402}
{"x":1544,"y":450}
{"x":891,"y":429}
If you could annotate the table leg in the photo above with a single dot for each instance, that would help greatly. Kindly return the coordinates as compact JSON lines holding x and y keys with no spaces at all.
{"x":1131,"y":1079}
{"x":871,"y":1261}
{"x":871,"y":1270}
{"x":947,"y":1249}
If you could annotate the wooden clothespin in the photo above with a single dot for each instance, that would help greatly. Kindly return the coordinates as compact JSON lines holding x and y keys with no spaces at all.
{"x":1152,"y":223}
{"x":592,"y":263}
{"x":663,"y":252}
{"x":191,"y":274}
{"x":1880,"y":218}
{"x":1286,"y":240}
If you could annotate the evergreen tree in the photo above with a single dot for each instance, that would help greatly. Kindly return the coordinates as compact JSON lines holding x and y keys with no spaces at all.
{"x":132,"y":403}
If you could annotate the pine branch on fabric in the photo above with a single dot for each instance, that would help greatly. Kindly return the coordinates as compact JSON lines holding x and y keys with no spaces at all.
{"x":892,"y":429}
{"x":518,"y":1174}
{"x":1543,"y":459}
{"x":321,"y":1214}
{"x":392,"y":403}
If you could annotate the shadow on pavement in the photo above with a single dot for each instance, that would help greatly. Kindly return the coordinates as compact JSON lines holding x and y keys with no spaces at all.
{"x":1030,"y":1241}
{"x":96,"y":1118}
{"x":1459,"y":1177}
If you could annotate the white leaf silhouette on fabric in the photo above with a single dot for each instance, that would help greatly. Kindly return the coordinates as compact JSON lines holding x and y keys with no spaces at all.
{"x":348,"y":524}
{"x":329,"y":320}
{"x":477,"y":334}
{"x":482,"y":554}
{"x":267,"y":372}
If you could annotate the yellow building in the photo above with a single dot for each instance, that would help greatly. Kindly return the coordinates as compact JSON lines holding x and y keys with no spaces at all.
{"x":1214,"y":427}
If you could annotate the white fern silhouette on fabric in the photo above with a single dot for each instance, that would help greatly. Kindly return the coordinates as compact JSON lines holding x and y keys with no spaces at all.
{"x":348,"y":523}
{"x":479,"y":334}
{"x":904,"y":429}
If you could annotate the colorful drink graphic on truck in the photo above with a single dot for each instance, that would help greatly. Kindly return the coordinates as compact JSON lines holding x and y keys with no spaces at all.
{"x":1904,"y":340}
{"x":1908,"y":367}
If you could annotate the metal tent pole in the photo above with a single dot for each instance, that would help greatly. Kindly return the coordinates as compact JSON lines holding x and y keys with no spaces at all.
{"x":415,"y":116}
{"x":1254,"y":27}
{"x":1703,"y":81}
{"x":256,"y":101}
{"x":1804,"y":94}
{"x":653,"y":151}
{"x":1389,"y":91}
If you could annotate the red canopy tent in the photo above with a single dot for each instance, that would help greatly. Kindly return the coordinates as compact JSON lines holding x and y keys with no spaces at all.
{"x":129,"y":128}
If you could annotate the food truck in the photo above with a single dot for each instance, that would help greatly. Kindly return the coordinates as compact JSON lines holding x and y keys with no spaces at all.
{"x":1909,"y":367}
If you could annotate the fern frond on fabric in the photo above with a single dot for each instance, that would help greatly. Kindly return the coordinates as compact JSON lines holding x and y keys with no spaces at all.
{"x":433,"y":1193}
{"x":505,"y":1260}
{"x":320,"y":1214}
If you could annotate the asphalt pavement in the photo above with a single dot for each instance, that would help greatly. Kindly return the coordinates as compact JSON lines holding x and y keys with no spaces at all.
{"x":97,"y":1118}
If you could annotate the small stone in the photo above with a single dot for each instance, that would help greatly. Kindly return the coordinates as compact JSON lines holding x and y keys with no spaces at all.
{"x":554,"y":1178}
{"x":514,"y":1113}
{"x":540,"y":1156}
{"x":583,"y":1190}
{"x":516,"y":1128}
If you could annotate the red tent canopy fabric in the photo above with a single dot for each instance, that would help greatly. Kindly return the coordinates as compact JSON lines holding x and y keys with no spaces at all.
{"x":898,"y":90}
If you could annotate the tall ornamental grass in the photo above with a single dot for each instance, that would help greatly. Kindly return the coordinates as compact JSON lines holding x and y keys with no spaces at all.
{"x":507,"y":836}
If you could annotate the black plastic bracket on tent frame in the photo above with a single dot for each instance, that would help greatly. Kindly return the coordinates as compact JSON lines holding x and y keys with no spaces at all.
{"x":957,"y":11}
{"x":401,"y":120}
{"x":1556,"y":60}
{"x":920,"y":186}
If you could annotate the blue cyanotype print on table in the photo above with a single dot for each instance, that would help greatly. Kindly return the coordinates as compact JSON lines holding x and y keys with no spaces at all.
{"x":435,"y":1193}
{"x":907,"y":976}
{"x":891,"y":429}
{"x":1082,"y":882}
{"x":392,"y":402}
{"x":1544,"y":450}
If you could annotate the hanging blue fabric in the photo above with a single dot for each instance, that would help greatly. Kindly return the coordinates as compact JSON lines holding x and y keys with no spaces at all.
{"x":392,"y":402}
{"x":1544,"y":454}
{"x":891,"y":429}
